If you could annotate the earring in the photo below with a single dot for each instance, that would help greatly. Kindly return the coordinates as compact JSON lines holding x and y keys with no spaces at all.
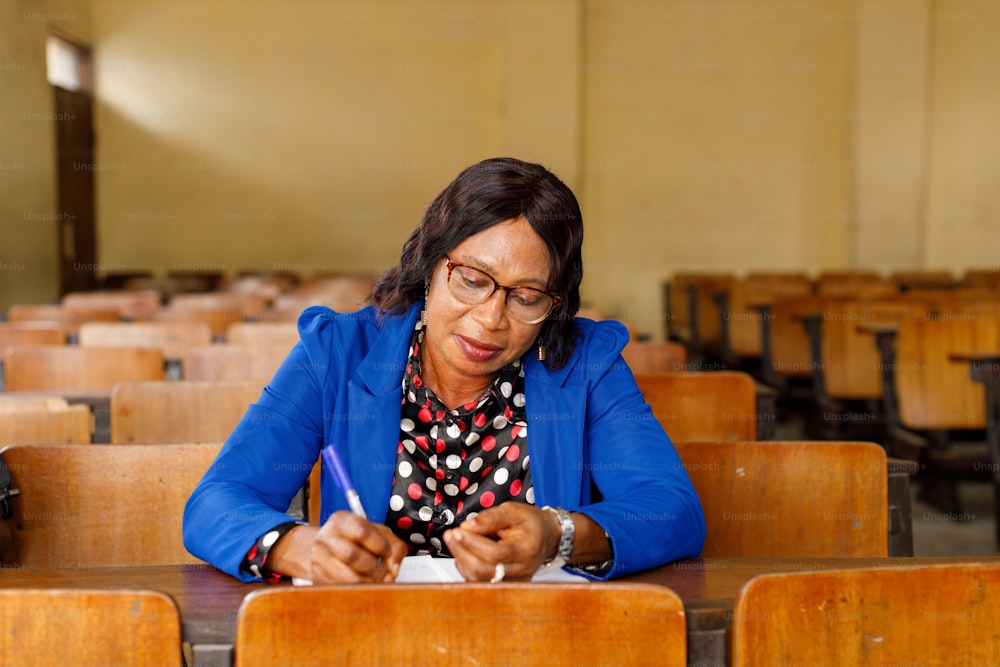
{"x":423,"y":313}
{"x":540,"y":353}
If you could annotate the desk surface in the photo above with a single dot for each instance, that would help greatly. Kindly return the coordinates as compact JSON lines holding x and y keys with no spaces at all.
{"x":209,"y":600}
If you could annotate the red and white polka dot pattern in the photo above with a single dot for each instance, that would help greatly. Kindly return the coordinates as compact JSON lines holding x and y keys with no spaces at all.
{"x":451,"y":464}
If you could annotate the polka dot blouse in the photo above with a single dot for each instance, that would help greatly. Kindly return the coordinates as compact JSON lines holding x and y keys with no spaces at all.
{"x":451,"y":464}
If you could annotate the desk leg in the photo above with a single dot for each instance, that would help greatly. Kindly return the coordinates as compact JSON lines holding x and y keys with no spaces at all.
{"x":708,"y":648}
{"x":900,"y":513}
{"x":988,"y":374}
{"x":212,"y":655}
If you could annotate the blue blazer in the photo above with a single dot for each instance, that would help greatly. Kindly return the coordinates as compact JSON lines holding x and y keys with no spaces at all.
{"x":594,"y":443}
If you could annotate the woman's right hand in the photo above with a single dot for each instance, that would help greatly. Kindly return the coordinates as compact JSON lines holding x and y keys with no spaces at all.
{"x":346,"y":549}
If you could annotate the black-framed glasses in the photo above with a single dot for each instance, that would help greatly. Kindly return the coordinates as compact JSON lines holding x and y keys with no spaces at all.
{"x":472,"y":287}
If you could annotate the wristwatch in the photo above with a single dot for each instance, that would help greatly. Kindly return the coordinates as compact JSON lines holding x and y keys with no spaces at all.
{"x":565,"y":549}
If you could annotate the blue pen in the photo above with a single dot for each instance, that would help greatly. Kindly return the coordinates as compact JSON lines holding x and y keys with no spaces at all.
{"x":339,"y":472}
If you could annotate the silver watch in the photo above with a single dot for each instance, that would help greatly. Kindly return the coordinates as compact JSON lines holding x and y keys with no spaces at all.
{"x":566,"y":541}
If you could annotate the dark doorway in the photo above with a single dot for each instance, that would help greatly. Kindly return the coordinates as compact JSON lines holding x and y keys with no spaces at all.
{"x":69,"y":73}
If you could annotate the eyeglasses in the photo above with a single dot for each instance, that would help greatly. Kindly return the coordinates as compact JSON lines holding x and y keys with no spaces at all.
{"x":473,"y":287}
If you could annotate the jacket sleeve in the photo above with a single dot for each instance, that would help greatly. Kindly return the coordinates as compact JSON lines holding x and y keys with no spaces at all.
{"x":267,"y":458}
{"x":647,"y":504}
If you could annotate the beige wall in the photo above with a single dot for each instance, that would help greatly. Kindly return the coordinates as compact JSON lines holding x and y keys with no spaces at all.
{"x":311,"y":135}
{"x":963,"y":185}
{"x":29,"y":270}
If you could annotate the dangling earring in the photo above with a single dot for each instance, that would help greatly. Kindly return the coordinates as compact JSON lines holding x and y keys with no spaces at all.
{"x":540,"y":353}
{"x":423,"y":313}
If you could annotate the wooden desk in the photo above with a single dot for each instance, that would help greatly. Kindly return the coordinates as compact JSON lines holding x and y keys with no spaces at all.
{"x":99,"y":403}
{"x":208,"y":600}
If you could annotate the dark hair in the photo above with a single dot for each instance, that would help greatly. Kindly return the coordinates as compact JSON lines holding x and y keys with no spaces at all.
{"x":483,"y":195}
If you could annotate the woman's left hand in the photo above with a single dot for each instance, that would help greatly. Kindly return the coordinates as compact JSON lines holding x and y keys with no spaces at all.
{"x":519,"y":536}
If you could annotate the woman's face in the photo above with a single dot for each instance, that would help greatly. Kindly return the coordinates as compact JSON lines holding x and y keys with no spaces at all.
{"x":466,"y":342}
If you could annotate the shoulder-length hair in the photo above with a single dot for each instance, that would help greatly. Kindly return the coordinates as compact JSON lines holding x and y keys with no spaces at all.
{"x":487,"y":193}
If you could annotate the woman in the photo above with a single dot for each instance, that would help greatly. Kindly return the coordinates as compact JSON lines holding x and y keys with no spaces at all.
{"x":477,"y":417}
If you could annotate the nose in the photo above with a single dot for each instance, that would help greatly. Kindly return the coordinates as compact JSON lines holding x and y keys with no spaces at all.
{"x":492,"y":313}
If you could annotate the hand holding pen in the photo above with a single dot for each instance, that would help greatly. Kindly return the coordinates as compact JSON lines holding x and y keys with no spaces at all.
{"x":349,"y":547}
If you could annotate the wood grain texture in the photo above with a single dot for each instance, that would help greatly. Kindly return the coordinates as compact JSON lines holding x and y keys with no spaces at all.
{"x":655,"y":357}
{"x":58,"y":627}
{"x":102,"y":506}
{"x":472,"y":624}
{"x":182,"y":411}
{"x":790,"y":499}
{"x":715,"y":405}
{"x":232,"y":361}
{"x":935,"y":392}
{"x":892,"y":615}
{"x":171,"y":337}
{"x":70,"y":424}
{"x":74,"y":368}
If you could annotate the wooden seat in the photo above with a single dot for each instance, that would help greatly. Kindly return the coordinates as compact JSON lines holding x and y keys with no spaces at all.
{"x":791,"y":499}
{"x":30,"y":333}
{"x":263,"y":333}
{"x":534,"y":624}
{"x":232,"y":362}
{"x":179,"y":411}
{"x":101,"y":506}
{"x":130,"y":304}
{"x":218,"y":319}
{"x":171,"y":337}
{"x":72,"y":368}
{"x":247,"y":303}
{"x":942,"y":614}
{"x":655,"y":357}
{"x":60,"y":626}
{"x":69,"y":424}
{"x":714,"y":405}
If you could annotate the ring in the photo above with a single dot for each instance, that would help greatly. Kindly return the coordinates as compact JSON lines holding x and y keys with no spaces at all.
{"x":499,"y":572}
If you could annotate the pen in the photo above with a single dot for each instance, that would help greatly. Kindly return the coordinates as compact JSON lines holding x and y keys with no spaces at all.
{"x":343,"y":480}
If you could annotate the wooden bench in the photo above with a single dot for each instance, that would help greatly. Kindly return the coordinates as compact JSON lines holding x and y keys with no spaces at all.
{"x":101,"y":506}
{"x":68,"y":626}
{"x":536,"y":624}
{"x":130,"y":304}
{"x":791,"y":499}
{"x":655,"y":357}
{"x":28,"y":333}
{"x":67,"y":319}
{"x":942,"y":614}
{"x":179,"y":411}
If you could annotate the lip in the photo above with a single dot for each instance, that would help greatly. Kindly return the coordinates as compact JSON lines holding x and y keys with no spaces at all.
{"x":477,"y":350}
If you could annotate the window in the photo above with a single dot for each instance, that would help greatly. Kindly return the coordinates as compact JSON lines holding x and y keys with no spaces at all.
{"x":68,"y":64}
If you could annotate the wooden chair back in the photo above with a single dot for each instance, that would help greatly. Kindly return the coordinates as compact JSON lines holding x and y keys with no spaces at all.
{"x":218,"y":319}
{"x":791,"y":499}
{"x":171,"y":337}
{"x":934,"y":392}
{"x":743,"y":321}
{"x":130,"y":304}
{"x":790,"y":352}
{"x":232,"y":362}
{"x":179,"y":411}
{"x":537,"y":624}
{"x":943,"y":614}
{"x":849,"y":357}
{"x":247,"y":303}
{"x":102,"y":506}
{"x":263,"y":333}
{"x":74,"y":368}
{"x":30,"y":333}
{"x":68,"y":319}
{"x":59,"y":626}
{"x":655,"y":357}
{"x":711,"y":405}
{"x":70,"y":424}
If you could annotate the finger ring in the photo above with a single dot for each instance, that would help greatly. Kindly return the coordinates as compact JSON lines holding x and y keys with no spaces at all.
{"x":498,"y":573}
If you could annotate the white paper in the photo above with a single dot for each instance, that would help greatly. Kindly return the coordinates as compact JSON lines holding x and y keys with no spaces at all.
{"x":424,"y":569}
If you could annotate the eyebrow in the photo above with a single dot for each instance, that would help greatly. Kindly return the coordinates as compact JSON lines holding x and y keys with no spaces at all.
{"x":490,"y":269}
